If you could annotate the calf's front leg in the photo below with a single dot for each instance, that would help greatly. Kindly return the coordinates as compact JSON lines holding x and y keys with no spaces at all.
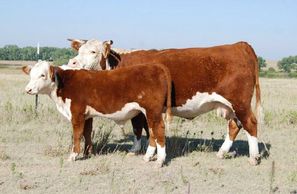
{"x":78,"y":123}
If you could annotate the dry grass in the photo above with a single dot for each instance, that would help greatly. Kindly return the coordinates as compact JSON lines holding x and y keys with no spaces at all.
{"x":34,"y":149}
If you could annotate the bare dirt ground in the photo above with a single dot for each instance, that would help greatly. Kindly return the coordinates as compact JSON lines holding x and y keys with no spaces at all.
{"x":34,"y":150}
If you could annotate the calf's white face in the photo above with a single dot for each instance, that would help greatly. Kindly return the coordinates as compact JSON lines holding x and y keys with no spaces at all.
{"x":90,"y":55}
{"x":40,"y":79}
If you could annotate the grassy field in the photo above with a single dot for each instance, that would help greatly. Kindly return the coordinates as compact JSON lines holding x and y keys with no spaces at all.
{"x":34,"y":150}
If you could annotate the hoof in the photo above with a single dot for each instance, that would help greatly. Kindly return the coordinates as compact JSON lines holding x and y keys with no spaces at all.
{"x":135,"y":151}
{"x":131,"y":154}
{"x":72,"y":157}
{"x":221,"y":154}
{"x":147,"y":158}
{"x":159,"y":163}
{"x":254,"y":161}
{"x":226,"y":155}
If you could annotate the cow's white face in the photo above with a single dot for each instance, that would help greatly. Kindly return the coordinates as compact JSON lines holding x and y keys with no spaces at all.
{"x":91,"y":54}
{"x":40,"y":78}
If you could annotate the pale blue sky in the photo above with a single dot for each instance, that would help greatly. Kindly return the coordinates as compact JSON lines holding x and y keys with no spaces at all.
{"x":269,"y":26}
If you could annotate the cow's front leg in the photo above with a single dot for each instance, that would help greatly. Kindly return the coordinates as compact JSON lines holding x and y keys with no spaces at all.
{"x":138,"y":123}
{"x":232,"y":132}
{"x":78,"y":127}
{"x":87,"y":135}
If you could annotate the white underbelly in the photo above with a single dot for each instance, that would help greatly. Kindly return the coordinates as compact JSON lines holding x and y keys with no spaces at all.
{"x":204,"y":102}
{"x":127,"y":112}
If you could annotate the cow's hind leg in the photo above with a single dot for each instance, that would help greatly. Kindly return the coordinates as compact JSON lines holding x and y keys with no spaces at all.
{"x":138,"y":123}
{"x":87,"y":135}
{"x":249,"y":122}
{"x":232,"y":132}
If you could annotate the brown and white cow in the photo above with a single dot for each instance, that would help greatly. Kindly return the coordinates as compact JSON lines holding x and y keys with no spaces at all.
{"x":119,"y":95}
{"x":220,"y":77}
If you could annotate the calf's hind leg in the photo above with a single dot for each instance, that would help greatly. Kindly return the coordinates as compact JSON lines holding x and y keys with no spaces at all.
{"x":157,"y":139}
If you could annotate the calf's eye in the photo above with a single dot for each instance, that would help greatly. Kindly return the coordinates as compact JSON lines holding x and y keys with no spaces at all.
{"x":93,"y":52}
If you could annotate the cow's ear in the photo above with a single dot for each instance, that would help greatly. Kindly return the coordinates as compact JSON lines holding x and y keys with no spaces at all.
{"x":76,"y":43}
{"x":106,"y":47}
{"x":26,"y":69}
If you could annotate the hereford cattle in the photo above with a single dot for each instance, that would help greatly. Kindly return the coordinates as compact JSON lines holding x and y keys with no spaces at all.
{"x":219,"y":77}
{"x":119,"y":95}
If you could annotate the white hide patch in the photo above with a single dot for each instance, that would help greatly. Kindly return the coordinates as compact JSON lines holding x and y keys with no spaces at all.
{"x":128,"y":111}
{"x":225,"y":147}
{"x":161,"y":153}
{"x":202,"y":103}
{"x":253,"y":145}
{"x":67,"y":67}
{"x":149,"y":153}
{"x":63,"y":107}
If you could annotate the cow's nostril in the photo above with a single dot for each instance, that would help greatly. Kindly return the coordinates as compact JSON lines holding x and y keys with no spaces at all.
{"x":74,"y":63}
{"x":30,"y":90}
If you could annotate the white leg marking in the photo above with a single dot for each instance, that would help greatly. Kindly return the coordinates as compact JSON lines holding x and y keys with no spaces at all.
{"x":253,"y":149}
{"x":136,"y":145}
{"x":149,"y":153}
{"x":161,"y":152}
{"x":225,"y":147}
{"x":253,"y":145}
{"x":72,"y":156}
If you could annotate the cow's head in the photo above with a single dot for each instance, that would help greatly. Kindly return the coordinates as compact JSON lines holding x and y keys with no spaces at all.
{"x":92,"y":54}
{"x":41,"y":78}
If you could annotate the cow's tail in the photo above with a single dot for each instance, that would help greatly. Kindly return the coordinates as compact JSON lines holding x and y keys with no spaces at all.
{"x":258,"y":106}
{"x":254,"y":62}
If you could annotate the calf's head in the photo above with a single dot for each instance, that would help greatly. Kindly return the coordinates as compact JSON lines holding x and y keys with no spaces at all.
{"x":41,"y":78}
{"x":92,"y":54}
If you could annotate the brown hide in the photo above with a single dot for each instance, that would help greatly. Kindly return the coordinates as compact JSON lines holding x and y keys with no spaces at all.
{"x":109,"y":91}
{"x":228,"y":70}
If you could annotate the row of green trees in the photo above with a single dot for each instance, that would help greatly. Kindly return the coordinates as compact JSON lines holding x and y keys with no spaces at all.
{"x":288,"y":64}
{"x":62,"y":55}
{"x":58,"y":55}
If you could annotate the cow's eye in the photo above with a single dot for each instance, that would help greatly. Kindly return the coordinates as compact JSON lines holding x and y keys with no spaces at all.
{"x":42,"y":75}
{"x":93,"y":52}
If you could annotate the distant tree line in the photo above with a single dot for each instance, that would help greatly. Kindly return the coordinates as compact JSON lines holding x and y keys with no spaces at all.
{"x":62,"y":55}
{"x":261,"y":62}
{"x":288,"y":64}
{"x":58,"y":55}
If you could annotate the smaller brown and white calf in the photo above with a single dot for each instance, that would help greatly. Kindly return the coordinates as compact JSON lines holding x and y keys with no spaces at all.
{"x":119,"y":95}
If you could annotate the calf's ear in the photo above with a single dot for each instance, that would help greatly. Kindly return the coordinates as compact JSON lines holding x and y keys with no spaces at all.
{"x":55,"y":75}
{"x":58,"y":80}
{"x":26,"y":69}
{"x":106,"y":47}
{"x":76,"y":43}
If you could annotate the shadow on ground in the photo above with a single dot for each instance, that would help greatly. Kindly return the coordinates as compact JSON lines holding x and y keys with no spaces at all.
{"x":181,"y":146}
